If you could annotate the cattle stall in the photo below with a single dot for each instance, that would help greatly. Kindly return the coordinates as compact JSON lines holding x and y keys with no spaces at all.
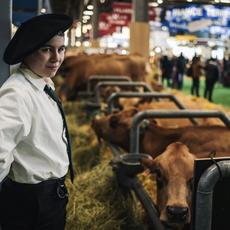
{"x":204,"y":192}
{"x":99,"y":78}
{"x":127,"y":166}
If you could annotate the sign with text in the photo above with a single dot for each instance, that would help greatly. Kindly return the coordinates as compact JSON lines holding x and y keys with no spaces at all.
{"x":195,"y":18}
{"x":120,"y":16}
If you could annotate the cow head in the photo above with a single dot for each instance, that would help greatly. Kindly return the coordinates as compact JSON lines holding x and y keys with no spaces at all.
{"x":115,"y":127}
{"x":174,"y":173}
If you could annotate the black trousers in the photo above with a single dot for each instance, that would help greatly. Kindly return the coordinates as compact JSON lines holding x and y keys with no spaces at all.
{"x":195,"y":86}
{"x":33,"y":206}
{"x":209,"y":86}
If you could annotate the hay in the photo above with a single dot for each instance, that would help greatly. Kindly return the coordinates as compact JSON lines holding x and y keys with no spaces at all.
{"x":95,"y":202}
{"x":86,"y":157}
{"x":77,"y":109}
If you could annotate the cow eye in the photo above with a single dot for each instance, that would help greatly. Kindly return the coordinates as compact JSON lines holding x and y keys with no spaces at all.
{"x":113,"y":122}
{"x":190,"y":183}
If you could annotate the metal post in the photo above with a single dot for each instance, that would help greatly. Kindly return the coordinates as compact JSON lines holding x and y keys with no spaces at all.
{"x":204,"y":194}
{"x":5,"y":35}
{"x":140,"y":10}
{"x":95,"y":20}
{"x":104,"y":78}
{"x":145,"y":86}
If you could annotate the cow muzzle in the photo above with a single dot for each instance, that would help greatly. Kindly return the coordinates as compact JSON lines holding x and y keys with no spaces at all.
{"x":177,"y":214}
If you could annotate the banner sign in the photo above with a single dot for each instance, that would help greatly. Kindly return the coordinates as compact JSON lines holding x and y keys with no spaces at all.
{"x":194,"y":18}
{"x":120,"y":16}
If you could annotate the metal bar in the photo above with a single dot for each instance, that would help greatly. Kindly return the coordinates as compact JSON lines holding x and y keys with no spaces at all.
{"x":114,"y":96}
{"x":105,"y":78}
{"x":5,"y":35}
{"x":204,"y":194}
{"x":132,"y":182}
{"x":140,"y":10}
{"x":139,"y":117}
{"x":147,"y":203}
{"x":121,"y":84}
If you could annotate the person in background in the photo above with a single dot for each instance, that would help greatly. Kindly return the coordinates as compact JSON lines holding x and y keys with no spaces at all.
{"x":35,"y":152}
{"x":180,"y":70}
{"x":226,"y":71}
{"x":166,"y":66}
{"x":211,"y":77}
{"x":196,"y":73}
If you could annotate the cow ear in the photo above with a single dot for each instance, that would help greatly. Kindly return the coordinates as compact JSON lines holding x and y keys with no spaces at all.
{"x":147,"y":162}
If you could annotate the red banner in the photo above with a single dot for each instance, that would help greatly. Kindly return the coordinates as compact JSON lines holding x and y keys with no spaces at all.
{"x":120,"y":16}
{"x":105,"y":27}
{"x":127,"y":9}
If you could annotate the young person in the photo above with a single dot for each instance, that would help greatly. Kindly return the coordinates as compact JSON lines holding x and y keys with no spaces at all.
{"x":35,"y":151}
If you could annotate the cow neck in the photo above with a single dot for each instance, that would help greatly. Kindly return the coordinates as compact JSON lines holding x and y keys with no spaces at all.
{"x":164,"y":131}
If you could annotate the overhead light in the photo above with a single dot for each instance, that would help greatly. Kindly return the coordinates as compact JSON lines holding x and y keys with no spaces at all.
{"x":154,"y":4}
{"x":78,"y":43}
{"x":189,"y":0}
{"x":90,"y":7}
{"x":88,"y":12}
{"x":164,"y":28}
{"x":225,"y":1}
{"x":86,"y":17}
{"x":102,"y":1}
{"x":217,"y":1}
{"x":43,"y":10}
{"x":157,"y":50}
{"x":159,"y":1}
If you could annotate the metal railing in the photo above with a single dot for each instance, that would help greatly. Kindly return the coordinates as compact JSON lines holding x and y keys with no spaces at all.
{"x":139,"y":117}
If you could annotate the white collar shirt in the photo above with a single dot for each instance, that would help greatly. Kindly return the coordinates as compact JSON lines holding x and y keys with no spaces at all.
{"x":32,"y":148}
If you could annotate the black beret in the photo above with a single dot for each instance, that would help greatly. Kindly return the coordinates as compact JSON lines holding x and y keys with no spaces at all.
{"x":34,"y":33}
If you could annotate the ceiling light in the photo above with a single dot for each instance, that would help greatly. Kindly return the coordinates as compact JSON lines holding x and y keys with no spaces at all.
{"x":43,"y":10}
{"x":85,"y":17}
{"x":159,"y":1}
{"x":88,"y":12}
{"x":90,"y":7}
{"x":153,"y":4}
{"x":225,"y":1}
{"x":189,"y":0}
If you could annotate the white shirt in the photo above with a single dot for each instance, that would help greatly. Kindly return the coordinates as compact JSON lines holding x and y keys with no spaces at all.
{"x":31,"y":145}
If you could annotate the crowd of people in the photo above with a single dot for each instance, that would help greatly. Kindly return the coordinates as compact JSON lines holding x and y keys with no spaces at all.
{"x":174,"y":69}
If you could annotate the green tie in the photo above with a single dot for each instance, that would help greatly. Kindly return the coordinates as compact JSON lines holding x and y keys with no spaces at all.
{"x":48,"y":90}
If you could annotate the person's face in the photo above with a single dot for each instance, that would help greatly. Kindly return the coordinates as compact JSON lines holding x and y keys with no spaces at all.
{"x":47,"y":59}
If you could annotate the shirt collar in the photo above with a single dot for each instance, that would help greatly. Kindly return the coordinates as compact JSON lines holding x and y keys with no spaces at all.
{"x":35,"y":79}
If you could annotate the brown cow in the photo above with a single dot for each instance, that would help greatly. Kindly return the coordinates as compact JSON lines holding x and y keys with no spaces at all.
{"x":143,"y":104}
{"x":115,"y":128}
{"x":174,"y":175}
{"x":78,"y":69}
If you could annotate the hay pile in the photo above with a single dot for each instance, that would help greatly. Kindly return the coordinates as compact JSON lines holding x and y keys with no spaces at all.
{"x":95,"y":202}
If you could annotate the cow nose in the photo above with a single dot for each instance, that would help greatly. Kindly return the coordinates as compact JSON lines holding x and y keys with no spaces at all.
{"x":177,"y":214}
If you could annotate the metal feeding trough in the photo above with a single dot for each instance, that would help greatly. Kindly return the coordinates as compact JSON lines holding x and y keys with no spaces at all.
{"x":90,"y":91}
{"x":101,"y":85}
{"x":104,"y":78}
{"x":152,"y":95}
{"x":126,"y":167}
